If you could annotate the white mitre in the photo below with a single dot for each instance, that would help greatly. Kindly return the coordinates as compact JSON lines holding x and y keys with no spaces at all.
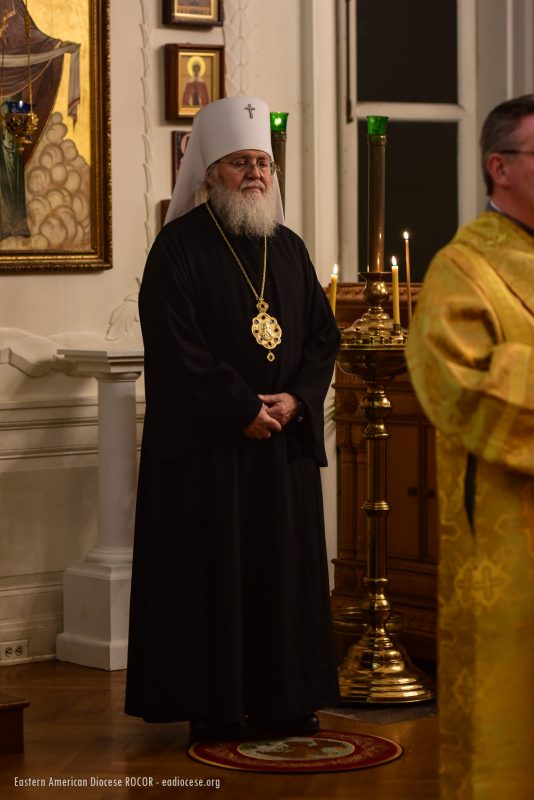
{"x":221,"y":128}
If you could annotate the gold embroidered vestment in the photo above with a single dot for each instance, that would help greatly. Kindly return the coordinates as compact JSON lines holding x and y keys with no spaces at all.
{"x":471,"y":360}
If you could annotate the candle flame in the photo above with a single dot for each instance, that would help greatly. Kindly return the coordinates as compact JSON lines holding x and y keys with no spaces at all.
{"x":406,"y":235}
{"x":335,"y":270}
{"x":393,"y":261}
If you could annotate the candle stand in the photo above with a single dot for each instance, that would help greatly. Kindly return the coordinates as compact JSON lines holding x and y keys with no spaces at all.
{"x":278,"y":142}
{"x":377,"y":669}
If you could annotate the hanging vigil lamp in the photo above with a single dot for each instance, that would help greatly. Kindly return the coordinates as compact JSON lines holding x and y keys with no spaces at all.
{"x":20,"y":119}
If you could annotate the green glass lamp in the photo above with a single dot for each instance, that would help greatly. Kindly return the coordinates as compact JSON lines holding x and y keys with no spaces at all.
{"x":377,"y":126}
{"x":278,"y":143}
{"x":279,"y":121}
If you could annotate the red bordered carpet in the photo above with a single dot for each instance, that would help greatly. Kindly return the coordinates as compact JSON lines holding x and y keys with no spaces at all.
{"x":325,"y":751}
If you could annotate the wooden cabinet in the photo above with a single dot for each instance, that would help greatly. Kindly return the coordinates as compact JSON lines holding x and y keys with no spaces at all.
{"x":411,"y":493}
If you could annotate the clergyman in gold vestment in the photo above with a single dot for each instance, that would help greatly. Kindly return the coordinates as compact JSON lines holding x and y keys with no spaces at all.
{"x":471,"y":359}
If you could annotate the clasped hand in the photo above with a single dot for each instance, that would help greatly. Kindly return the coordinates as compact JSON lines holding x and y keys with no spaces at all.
{"x":277,"y":410}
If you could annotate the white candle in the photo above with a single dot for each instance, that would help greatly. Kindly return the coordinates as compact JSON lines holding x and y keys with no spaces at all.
{"x":408,"y":277}
{"x":332,"y":290}
{"x":395,"y":287}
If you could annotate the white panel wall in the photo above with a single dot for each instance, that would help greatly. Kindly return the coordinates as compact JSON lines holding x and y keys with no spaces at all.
{"x":281,"y":50}
{"x":48,"y":419}
{"x":47,"y":501}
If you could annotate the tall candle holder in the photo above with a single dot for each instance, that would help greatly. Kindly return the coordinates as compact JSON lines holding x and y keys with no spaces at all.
{"x":377,"y":669}
{"x":278,"y":142}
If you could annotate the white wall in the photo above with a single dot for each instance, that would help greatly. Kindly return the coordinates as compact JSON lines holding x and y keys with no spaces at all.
{"x":48,"y":419}
{"x":281,"y":50}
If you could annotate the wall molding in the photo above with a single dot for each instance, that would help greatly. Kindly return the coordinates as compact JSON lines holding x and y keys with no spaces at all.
{"x":124,"y":319}
{"x":63,"y":434}
{"x":32,"y":605}
{"x":238,"y":31}
{"x":147,"y":135}
{"x":48,"y":475}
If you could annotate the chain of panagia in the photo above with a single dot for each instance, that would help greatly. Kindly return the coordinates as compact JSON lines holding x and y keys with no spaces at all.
{"x":265,"y":328}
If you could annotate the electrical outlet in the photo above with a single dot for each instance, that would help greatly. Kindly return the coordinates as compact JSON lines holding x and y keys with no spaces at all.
{"x":14,"y":651}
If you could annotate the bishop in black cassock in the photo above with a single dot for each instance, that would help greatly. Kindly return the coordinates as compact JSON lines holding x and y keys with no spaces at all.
{"x":230,"y":614}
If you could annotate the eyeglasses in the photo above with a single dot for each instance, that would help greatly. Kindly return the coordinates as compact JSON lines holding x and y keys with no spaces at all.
{"x":243,"y":165}
{"x":517,"y":152}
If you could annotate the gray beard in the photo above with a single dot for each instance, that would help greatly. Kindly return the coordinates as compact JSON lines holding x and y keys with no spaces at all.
{"x":244,"y":215}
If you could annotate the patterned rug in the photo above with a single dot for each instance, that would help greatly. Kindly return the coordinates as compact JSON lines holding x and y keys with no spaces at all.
{"x":325,"y":751}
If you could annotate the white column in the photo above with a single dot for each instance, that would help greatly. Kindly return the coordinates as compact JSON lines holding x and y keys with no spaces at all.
{"x":96,"y":591}
{"x":321,"y":221}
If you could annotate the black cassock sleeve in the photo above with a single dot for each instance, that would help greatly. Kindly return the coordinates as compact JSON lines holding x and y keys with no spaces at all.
{"x":312,"y":379}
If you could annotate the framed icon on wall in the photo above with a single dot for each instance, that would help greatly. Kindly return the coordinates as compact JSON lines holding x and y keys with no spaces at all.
{"x":55,"y":197}
{"x":194,"y":77}
{"x":193,"y":12}
{"x":179,"y":144}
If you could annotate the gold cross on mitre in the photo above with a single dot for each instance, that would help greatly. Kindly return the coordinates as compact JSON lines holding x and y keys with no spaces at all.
{"x":250,"y":108}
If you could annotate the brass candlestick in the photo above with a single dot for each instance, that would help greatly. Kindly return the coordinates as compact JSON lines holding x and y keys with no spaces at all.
{"x":376,"y":669}
{"x":278,"y":143}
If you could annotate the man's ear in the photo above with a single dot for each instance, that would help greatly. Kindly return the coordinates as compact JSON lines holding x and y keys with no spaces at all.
{"x":497,"y":167}
{"x":208,"y":178}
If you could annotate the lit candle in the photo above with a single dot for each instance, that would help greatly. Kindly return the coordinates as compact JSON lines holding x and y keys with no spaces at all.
{"x":395,"y":287}
{"x":408,"y":278}
{"x":332,"y":289}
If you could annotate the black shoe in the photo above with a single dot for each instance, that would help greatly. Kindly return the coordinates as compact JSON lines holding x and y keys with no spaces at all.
{"x":219,"y":732}
{"x":301,"y":726}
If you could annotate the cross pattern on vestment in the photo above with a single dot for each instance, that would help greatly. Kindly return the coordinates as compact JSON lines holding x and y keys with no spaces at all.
{"x":484,"y":583}
{"x":463,"y":688}
{"x":250,"y":108}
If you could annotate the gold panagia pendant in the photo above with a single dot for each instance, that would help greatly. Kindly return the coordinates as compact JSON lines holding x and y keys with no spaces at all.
{"x":266,"y":329}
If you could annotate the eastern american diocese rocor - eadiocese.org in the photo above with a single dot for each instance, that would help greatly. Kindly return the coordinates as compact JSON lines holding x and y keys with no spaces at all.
{"x":125,"y":781}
